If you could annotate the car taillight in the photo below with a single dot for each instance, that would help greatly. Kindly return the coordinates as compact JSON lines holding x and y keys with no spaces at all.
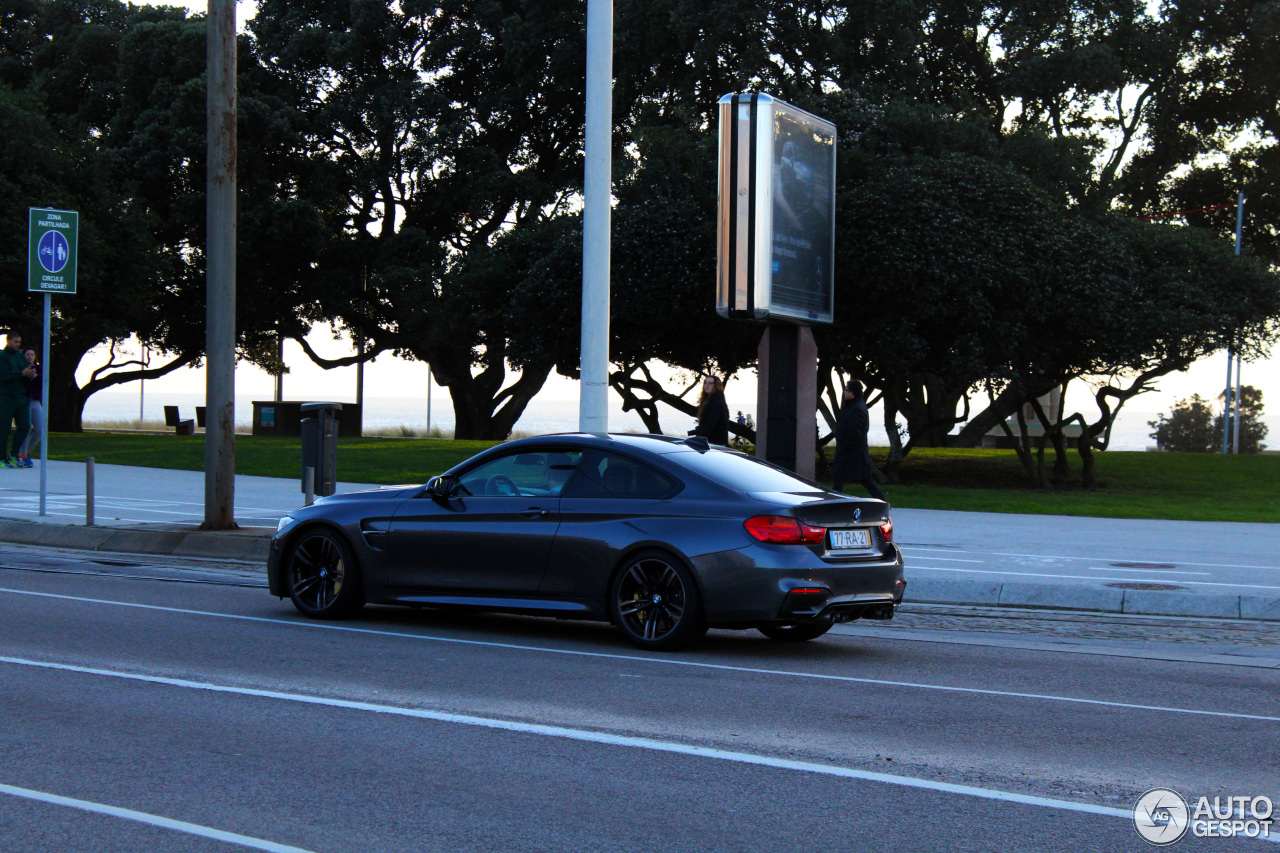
{"x":784,"y":530}
{"x":886,"y":530}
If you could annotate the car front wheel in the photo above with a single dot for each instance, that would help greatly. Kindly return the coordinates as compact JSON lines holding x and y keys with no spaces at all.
{"x":324,"y":580}
{"x":655,"y":603}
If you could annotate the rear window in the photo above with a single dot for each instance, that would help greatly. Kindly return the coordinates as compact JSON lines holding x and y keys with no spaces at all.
{"x":743,"y":473}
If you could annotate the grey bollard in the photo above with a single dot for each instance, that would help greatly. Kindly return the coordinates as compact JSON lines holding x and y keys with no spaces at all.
{"x":88,"y":492}
{"x":309,"y":485}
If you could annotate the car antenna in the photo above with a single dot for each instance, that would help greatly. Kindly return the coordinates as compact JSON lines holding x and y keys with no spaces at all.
{"x":697,"y":442}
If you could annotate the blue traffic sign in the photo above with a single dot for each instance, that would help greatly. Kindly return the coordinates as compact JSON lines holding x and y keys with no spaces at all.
{"x":53,"y":251}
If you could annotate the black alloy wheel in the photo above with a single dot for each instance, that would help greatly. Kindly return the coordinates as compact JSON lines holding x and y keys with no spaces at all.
{"x":795,"y":633}
{"x":655,"y":602}
{"x":324,"y":580}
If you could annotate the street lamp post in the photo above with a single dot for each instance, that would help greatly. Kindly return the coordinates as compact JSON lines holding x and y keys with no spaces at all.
{"x":593,"y":411}
{"x":1231,"y":401}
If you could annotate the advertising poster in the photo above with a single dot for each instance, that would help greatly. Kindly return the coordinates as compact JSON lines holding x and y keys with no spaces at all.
{"x":803,"y":178}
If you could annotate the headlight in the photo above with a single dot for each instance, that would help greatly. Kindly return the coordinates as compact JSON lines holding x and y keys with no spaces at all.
{"x":283,"y":523}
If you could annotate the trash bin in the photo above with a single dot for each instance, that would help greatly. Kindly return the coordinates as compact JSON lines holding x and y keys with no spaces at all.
{"x":320,"y":445}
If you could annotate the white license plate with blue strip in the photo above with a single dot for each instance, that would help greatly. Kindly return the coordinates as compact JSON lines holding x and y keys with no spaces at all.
{"x":850,"y":540}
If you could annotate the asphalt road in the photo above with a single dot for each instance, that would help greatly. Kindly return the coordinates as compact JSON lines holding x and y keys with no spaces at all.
{"x":165,"y":713}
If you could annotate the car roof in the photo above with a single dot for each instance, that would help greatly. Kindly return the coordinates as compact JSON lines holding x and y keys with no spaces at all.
{"x":641,"y":441}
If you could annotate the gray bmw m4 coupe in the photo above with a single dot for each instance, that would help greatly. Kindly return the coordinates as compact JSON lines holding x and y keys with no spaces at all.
{"x":663,"y":537}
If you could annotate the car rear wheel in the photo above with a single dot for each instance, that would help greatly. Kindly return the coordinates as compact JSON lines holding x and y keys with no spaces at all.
{"x":794,"y":633}
{"x":655,"y":603}
{"x":324,"y":580}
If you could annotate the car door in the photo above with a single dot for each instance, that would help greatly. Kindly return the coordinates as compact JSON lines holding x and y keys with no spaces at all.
{"x":612,"y":502}
{"x":491,"y":535}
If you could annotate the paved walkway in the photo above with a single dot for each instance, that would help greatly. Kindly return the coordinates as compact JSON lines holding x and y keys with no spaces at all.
{"x":125,"y":496}
{"x":1204,"y":569}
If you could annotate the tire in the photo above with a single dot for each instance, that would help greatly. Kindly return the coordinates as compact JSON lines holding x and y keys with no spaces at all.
{"x":655,"y":603}
{"x":322,"y":576}
{"x":794,"y":633}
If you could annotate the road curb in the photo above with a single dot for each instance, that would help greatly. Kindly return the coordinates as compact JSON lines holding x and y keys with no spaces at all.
{"x":245,"y":545}
{"x":1093,"y":599}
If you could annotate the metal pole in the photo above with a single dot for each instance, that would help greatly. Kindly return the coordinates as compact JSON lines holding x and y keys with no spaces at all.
{"x":428,"y":400}
{"x":1235,"y":420}
{"x":593,"y":411}
{"x":364,"y":287}
{"x":280,"y":376}
{"x":220,"y":260}
{"x":88,"y":492}
{"x":1235,"y":417}
{"x":142,"y":389}
{"x":1226,"y":403}
{"x":44,"y":401}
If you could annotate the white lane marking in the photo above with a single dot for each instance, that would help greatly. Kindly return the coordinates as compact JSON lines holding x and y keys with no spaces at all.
{"x":324,"y":626}
{"x":599,"y":738}
{"x":26,"y":496}
{"x":950,"y":550}
{"x":80,"y":514}
{"x":1092,"y":577}
{"x":1150,"y":571}
{"x":153,"y":820}
{"x":943,"y":559}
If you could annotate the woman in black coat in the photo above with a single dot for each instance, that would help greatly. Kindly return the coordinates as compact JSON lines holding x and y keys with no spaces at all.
{"x":853,"y":458}
{"x":713,"y":412}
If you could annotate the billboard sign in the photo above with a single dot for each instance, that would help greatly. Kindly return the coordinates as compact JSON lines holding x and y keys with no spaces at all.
{"x":776,"y":220}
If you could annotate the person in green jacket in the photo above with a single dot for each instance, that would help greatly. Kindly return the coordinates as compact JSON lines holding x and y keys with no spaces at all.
{"x":14,"y":372}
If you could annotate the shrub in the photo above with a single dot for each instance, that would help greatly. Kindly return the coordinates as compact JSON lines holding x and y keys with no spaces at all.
{"x":1189,"y":428}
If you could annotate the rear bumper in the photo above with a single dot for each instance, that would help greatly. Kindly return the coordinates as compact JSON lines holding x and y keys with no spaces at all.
{"x":754,"y":585}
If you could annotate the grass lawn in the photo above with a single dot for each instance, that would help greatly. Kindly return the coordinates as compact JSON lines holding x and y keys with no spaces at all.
{"x":1187,"y":486}
{"x":1184,"y":486}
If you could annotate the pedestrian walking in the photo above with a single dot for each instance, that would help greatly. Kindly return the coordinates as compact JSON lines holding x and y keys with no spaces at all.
{"x":35,"y":398}
{"x":853,"y":458}
{"x":14,"y":405}
{"x":713,"y":413}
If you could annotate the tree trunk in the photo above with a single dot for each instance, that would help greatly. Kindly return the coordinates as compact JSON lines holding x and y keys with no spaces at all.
{"x":1053,"y":433}
{"x":65,"y":406}
{"x":930,"y":409}
{"x":482,"y":409}
{"x":893,"y":465}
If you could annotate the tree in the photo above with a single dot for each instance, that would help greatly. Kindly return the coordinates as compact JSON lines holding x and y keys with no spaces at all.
{"x":112,"y":104}
{"x":1189,"y":428}
{"x":1252,"y":429}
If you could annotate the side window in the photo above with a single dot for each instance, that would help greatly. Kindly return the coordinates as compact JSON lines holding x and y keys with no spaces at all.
{"x":540,"y":474}
{"x":608,"y":475}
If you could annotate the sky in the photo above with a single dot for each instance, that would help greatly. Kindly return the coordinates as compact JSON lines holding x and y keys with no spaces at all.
{"x":391,"y":377}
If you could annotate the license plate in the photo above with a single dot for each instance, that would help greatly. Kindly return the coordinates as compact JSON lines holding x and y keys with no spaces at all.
{"x":848,"y":539}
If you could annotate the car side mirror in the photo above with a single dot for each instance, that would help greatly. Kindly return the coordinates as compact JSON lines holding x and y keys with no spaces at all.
{"x":438,"y":487}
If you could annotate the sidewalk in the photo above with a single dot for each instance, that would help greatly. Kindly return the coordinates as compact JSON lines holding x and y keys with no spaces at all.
{"x":1150,"y":567}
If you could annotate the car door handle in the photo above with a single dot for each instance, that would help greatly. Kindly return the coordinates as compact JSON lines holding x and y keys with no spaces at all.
{"x":534,"y":512}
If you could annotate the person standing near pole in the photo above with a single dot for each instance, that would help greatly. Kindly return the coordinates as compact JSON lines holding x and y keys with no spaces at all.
{"x":35,"y":403}
{"x":713,"y":413}
{"x":14,"y":405}
{"x":853,"y":457}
